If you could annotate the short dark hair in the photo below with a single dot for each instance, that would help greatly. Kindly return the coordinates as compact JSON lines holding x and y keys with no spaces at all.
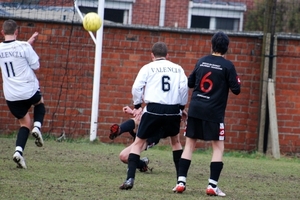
{"x":220,"y":42}
{"x":159,"y":49}
{"x":9,"y":27}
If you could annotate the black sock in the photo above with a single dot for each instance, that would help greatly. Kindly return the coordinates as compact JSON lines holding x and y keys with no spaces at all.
{"x":22,"y":137}
{"x":184,"y":166}
{"x":176,"y":158}
{"x":141,"y":164}
{"x":127,"y":126}
{"x":133,"y":160}
{"x":39,"y":113}
{"x":215,"y":171}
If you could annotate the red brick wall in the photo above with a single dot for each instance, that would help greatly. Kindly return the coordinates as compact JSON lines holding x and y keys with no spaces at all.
{"x":148,"y":16}
{"x":288,"y":94}
{"x":66,"y":78}
{"x":176,"y":13}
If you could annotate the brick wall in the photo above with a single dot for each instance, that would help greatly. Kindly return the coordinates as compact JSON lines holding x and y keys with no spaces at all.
{"x":66,"y":78}
{"x":176,"y":13}
{"x":288,"y":94}
{"x":148,"y":16}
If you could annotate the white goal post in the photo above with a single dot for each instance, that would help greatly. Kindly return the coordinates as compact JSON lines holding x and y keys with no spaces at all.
{"x":97,"y":69}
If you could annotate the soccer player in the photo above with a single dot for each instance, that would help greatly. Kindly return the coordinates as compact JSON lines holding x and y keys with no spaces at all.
{"x":21,"y":87}
{"x":162,"y":86}
{"x":211,"y":80}
{"x":130,"y":126}
{"x":127,"y":126}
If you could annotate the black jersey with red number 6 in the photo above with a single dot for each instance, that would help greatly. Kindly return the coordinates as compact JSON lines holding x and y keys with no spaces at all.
{"x":211,"y":80}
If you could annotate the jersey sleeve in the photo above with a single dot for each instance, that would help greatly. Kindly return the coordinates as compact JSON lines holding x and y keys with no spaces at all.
{"x":234,"y":81}
{"x":192,"y":77}
{"x":31,"y":56}
{"x":139,"y":86}
{"x":183,"y":89}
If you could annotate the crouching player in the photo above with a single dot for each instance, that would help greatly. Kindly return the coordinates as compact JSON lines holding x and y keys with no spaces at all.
{"x":131,"y":126}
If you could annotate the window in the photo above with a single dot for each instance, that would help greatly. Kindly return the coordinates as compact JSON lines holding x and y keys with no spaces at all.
{"x":119,"y":11}
{"x":216,"y":15}
{"x":114,"y":15}
{"x":200,"y":22}
{"x":226,"y":23}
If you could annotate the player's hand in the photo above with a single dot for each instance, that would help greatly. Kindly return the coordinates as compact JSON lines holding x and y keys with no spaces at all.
{"x":184,"y":115}
{"x":137,"y":118}
{"x":33,"y":38}
{"x":137,"y":113}
{"x":128,"y":110}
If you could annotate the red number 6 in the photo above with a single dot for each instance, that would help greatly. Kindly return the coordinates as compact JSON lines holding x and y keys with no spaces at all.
{"x":206,"y":80}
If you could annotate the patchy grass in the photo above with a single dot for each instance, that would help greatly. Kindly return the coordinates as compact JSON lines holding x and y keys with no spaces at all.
{"x":84,"y":170}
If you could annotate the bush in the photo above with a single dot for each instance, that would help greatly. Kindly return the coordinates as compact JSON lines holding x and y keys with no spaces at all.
{"x":287,"y":17}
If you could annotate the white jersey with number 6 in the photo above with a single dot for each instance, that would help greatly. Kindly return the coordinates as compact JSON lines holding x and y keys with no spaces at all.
{"x":162,"y":82}
{"x":18,"y":60}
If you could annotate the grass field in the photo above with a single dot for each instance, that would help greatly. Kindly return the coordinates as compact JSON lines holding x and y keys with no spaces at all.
{"x":84,"y":170}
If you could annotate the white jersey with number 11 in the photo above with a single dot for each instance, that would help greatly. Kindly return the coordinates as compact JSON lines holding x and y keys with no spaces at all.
{"x":18,"y":60}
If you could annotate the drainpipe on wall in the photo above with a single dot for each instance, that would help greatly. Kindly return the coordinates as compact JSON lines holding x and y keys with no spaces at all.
{"x":162,"y":10}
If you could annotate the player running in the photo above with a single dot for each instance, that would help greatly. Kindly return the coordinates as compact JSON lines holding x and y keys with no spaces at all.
{"x":211,"y":80}
{"x":21,"y":89}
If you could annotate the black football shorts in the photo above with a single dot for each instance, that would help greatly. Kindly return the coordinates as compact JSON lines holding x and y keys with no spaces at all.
{"x":20,"y":108}
{"x":204,"y":130}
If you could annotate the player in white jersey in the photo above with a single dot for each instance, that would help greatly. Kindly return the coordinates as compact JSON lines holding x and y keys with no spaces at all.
{"x":162,"y":86}
{"x":21,"y":89}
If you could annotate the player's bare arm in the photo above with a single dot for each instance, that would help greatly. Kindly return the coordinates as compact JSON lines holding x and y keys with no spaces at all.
{"x":33,"y":38}
{"x":184,"y":116}
{"x":128,"y":110}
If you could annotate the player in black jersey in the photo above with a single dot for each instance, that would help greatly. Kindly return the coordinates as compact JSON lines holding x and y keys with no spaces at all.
{"x":210,"y":80}
{"x":162,"y":86}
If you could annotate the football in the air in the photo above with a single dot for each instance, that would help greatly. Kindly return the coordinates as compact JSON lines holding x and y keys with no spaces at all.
{"x":91,"y":21}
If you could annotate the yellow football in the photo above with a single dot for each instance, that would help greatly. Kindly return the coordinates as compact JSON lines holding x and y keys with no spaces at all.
{"x":91,"y":21}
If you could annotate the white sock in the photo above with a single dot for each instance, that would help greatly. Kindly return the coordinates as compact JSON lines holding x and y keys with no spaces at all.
{"x":20,"y":149}
{"x":37,"y":124}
